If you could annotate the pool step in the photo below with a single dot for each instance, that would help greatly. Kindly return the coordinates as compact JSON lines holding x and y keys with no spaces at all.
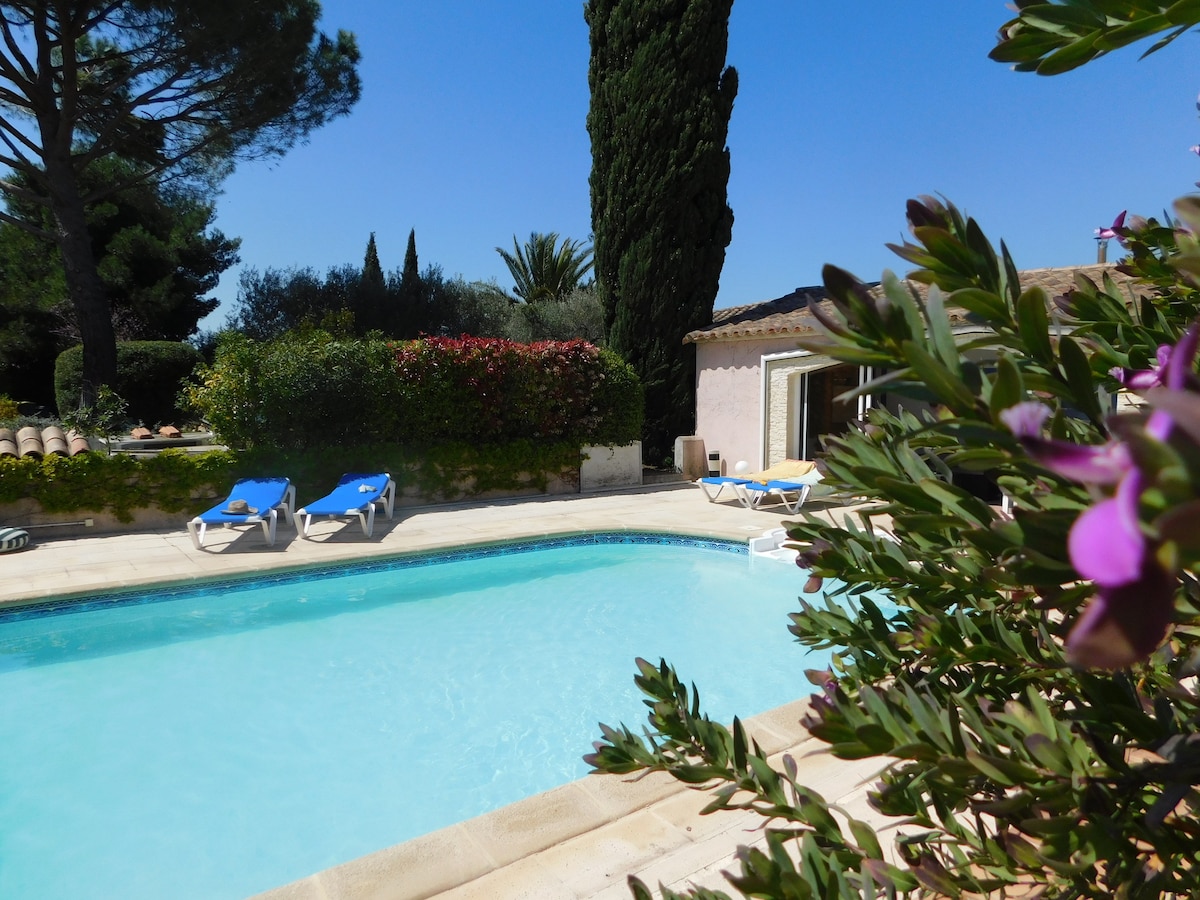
{"x":770,"y":545}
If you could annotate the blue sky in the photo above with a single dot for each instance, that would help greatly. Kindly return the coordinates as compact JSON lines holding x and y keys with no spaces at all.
{"x":472,"y":129}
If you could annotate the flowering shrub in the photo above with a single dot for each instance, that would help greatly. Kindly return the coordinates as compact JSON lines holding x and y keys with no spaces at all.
{"x":311,"y":389}
{"x":490,"y":390}
{"x":1033,"y":700}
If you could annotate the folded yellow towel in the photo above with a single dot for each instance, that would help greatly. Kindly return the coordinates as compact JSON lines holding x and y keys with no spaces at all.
{"x":783,"y":471}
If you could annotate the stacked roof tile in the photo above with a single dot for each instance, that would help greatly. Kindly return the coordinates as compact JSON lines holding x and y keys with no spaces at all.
{"x":39,"y":442}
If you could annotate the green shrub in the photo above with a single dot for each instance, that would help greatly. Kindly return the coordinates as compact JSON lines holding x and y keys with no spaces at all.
{"x":9,"y":409}
{"x":445,"y":472}
{"x":302,"y":390}
{"x":1031,"y":696}
{"x":149,"y":377}
{"x":311,"y":390}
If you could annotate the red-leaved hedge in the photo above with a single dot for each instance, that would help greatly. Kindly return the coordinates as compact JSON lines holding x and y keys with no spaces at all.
{"x":311,"y":389}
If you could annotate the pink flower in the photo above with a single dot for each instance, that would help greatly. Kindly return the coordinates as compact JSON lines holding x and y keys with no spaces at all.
{"x":1105,"y":234}
{"x":1131,"y":614}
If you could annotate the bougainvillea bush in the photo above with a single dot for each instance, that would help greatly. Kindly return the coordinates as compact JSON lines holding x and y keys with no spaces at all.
{"x":1034,"y":697}
{"x":489,"y":390}
{"x":311,"y":389}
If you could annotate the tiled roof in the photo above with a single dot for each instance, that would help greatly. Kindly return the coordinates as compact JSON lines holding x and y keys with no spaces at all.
{"x":790,"y":313}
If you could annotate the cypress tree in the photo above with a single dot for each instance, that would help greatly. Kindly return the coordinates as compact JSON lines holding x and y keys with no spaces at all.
{"x":410,"y":274}
{"x":661,"y":98}
{"x":412,"y":314}
{"x":372,"y":273}
{"x":369,"y":296}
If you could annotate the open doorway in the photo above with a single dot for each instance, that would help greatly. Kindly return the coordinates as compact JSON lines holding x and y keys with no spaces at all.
{"x":819,"y":409}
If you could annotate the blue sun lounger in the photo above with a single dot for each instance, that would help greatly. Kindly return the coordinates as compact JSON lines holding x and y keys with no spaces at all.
{"x":789,"y":476}
{"x":713,"y":485}
{"x":791,"y":494}
{"x":251,"y":501}
{"x":356,"y":494}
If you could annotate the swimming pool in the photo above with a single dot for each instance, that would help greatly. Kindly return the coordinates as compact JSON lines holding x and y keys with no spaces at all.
{"x":217,"y":742}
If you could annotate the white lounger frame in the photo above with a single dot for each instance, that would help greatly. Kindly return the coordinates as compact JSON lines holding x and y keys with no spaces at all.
{"x":366,"y":517}
{"x":268,"y":520}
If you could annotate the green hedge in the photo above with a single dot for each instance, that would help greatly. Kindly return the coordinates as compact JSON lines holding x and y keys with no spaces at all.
{"x":311,"y":389}
{"x":150,"y":375}
{"x":119,"y":484}
{"x":175,"y":481}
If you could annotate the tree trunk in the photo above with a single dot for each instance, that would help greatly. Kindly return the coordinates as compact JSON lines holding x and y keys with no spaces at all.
{"x":88,"y":296}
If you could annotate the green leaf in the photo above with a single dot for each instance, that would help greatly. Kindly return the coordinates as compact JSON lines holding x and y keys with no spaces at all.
{"x":1063,"y":20}
{"x":1166,"y":39}
{"x":1000,"y":770}
{"x":900,"y":296}
{"x":947,"y":388}
{"x":947,"y":250}
{"x":1047,"y":752}
{"x":739,"y":745}
{"x":988,"y":306}
{"x":1132,"y":32}
{"x":939,"y":330}
{"x":1033,"y":323}
{"x":876,"y":737}
{"x":1051,"y":826}
{"x":1184,"y":12}
{"x":1072,"y":56}
{"x":1005,"y":806}
{"x":1007,"y":388}
{"x":959,"y":501}
{"x":1079,"y":376}
{"x":1025,"y":48}
{"x":910,"y":494}
{"x":865,"y":837}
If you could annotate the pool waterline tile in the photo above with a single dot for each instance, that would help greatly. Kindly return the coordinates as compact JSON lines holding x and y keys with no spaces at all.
{"x":120,"y":573}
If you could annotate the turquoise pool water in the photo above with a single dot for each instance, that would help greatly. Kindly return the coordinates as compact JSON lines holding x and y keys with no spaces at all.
{"x":214,"y":743}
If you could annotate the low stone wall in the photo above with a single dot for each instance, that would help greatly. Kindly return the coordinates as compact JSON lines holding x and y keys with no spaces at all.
{"x":605,"y":468}
{"x":601,"y":468}
{"x":27,"y":512}
{"x":565,"y":482}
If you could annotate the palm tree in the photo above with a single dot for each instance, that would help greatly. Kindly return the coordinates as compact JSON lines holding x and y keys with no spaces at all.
{"x":544,"y":270}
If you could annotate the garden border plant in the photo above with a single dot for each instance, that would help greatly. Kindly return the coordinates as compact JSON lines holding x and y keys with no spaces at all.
{"x":1032,"y":701}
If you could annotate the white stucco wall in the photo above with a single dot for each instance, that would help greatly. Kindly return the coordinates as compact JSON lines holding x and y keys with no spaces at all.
{"x":604,"y":468}
{"x":728,"y":397}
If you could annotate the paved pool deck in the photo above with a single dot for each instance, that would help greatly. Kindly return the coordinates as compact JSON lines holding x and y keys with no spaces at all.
{"x":581,"y":840}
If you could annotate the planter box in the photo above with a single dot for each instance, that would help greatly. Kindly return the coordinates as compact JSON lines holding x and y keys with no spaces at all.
{"x":604,"y":468}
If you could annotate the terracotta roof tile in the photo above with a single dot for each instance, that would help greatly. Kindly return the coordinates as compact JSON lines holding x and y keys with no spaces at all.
{"x":790,"y":313}
{"x":39,"y":442}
